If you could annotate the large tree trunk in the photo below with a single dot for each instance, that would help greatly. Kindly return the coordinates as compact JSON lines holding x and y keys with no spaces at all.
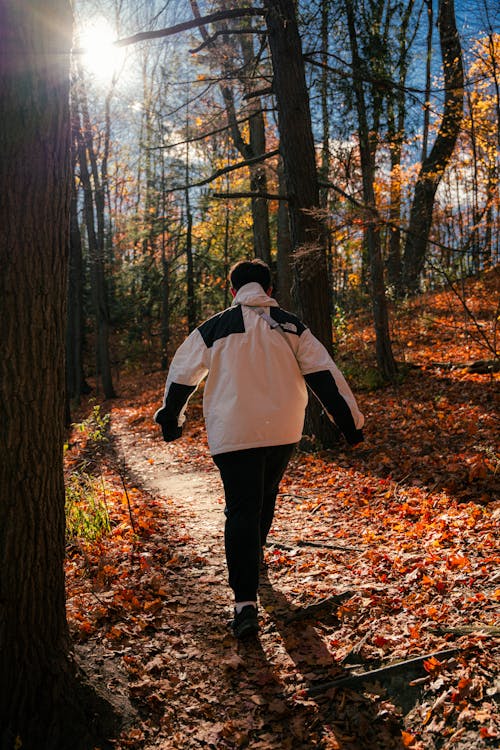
{"x":434,"y":165}
{"x":37,"y":689}
{"x":306,"y":228}
{"x":34,"y":183}
{"x":41,"y":705}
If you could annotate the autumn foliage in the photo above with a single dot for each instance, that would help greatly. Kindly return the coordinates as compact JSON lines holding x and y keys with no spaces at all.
{"x":381,"y":555}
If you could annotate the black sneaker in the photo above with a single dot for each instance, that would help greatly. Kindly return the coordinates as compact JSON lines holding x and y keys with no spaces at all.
{"x":245,"y":624}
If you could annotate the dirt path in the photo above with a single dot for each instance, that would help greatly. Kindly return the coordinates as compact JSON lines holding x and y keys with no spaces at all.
{"x":351,"y":585}
{"x":160,"y":469}
{"x":213,"y":691}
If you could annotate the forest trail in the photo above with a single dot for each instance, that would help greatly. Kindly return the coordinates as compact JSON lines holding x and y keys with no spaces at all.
{"x":230,"y":694}
{"x":376,"y":557}
{"x":197,"y":493}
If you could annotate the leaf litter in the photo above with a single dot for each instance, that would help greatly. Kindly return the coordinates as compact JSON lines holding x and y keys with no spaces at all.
{"x":376,"y":557}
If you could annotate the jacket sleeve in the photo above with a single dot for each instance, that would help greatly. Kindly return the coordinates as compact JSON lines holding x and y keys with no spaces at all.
{"x":329,"y":385}
{"x":187,"y":369}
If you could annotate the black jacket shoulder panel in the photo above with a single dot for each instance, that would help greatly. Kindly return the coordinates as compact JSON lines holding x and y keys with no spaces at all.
{"x":222,"y":325}
{"x":288,"y":321}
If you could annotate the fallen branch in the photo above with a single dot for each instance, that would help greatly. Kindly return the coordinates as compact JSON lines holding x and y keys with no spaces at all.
{"x":321,"y":545}
{"x":313,"y":610}
{"x":415,"y":665}
{"x":478,"y":628}
{"x":327,"y":545}
{"x":480,"y":366}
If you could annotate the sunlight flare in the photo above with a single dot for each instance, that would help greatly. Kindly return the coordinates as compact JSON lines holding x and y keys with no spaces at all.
{"x":99,"y":54}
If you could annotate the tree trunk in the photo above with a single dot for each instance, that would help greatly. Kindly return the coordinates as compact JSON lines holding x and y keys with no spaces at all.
{"x":165,"y":307}
{"x":306,"y":229}
{"x":258,"y":174}
{"x":396,"y":116}
{"x":39,"y":708}
{"x":385,"y":358}
{"x":283,"y":262}
{"x":491,"y":250}
{"x":325,"y":125}
{"x":74,"y":331}
{"x":97,"y":274}
{"x":255,"y":146}
{"x":165,"y":273}
{"x":191,"y":297}
{"x":435,"y":164}
{"x":428,"y":79}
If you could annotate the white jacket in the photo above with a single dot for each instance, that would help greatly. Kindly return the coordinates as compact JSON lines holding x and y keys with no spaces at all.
{"x":255,"y":394}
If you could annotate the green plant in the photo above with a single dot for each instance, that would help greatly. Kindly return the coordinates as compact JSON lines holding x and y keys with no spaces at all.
{"x":339,"y":322}
{"x":95,"y":425}
{"x":87,"y":515}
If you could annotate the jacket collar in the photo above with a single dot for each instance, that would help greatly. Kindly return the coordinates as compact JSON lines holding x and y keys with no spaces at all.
{"x":253,"y":295}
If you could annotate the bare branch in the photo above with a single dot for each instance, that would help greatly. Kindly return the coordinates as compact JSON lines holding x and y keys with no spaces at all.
{"x":377,"y":217}
{"x":260,"y":92}
{"x":225,"y":170}
{"x":191,"y":24}
{"x":249,"y":194}
{"x":208,"y":133}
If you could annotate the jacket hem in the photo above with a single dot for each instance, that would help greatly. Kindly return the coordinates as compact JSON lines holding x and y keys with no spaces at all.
{"x":255,"y":444}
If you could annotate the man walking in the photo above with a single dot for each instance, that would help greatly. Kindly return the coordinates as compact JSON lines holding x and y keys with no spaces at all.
{"x":258,"y":360}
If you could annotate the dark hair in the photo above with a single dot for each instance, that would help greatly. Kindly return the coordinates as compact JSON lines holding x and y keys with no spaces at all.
{"x":246,"y":271}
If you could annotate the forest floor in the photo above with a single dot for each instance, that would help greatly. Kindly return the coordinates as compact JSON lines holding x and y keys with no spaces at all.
{"x":381,"y":556}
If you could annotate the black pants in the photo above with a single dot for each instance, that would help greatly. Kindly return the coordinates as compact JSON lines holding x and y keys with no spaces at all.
{"x":251,"y":480}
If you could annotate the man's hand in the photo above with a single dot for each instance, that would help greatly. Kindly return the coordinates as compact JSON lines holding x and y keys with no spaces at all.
{"x":171,"y":431}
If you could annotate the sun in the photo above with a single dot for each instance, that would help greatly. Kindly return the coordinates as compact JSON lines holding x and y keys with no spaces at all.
{"x":100,"y":56}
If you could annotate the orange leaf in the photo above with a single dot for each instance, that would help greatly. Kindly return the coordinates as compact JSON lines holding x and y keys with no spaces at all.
{"x":408,"y":739}
{"x":488,"y":732}
{"x":432,"y":664}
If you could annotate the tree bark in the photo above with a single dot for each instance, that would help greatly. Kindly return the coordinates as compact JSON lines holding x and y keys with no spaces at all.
{"x":307,"y":233}
{"x":38,"y":704}
{"x":97,"y":273}
{"x":396,"y":116}
{"x":94,"y":207}
{"x":428,"y":79}
{"x":283,"y":261}
{"x":434,"y":165}
{"x":190,"y":285}
{"x":34,"y":182}
{"x":385,"y":358}
{"x":74,"y":330}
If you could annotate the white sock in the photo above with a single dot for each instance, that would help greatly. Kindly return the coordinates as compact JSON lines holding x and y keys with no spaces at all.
{"x":238,"y":606}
